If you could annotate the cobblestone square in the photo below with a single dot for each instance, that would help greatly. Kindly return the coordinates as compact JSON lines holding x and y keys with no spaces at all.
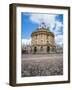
{"x":41,"y":65}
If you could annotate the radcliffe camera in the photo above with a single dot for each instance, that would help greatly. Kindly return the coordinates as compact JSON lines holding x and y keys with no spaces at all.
{"x":42,"y":44}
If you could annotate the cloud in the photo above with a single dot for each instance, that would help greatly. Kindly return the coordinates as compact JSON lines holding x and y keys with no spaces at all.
{"x":59,"y":39}
{"x":58,"y":28}
{"x":26,"y":41}
{"x":50,"y":21}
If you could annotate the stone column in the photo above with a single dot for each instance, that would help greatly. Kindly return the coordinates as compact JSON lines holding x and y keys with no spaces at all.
{"x":50,"y":49}
{"x":45,"y":49}
{"x":38,"y":49}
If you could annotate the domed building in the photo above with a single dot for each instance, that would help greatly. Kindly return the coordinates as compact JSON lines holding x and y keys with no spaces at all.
{"x":43,"y":40}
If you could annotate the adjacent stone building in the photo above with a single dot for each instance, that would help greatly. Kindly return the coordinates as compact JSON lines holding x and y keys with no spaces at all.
{"x":43,"y":40}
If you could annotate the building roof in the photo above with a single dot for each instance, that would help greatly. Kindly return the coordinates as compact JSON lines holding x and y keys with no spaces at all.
{"x":42,"y":29}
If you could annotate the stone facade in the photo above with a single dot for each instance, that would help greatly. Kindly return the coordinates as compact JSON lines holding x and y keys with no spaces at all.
{"x":43,"y":41}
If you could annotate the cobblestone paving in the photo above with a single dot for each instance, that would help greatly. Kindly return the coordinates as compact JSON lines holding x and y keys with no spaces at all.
{"x":41,"y":65}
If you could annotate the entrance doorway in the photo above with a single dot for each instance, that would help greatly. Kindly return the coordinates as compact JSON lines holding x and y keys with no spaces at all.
{"x":35,"y":49}
{"x":48,"y":49}
{"x":41,"y":49}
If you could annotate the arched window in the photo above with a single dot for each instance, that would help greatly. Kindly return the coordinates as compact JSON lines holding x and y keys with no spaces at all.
{"x":41,"y":41}
{"x":47,"y":42}
{"x":41,"y":48}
